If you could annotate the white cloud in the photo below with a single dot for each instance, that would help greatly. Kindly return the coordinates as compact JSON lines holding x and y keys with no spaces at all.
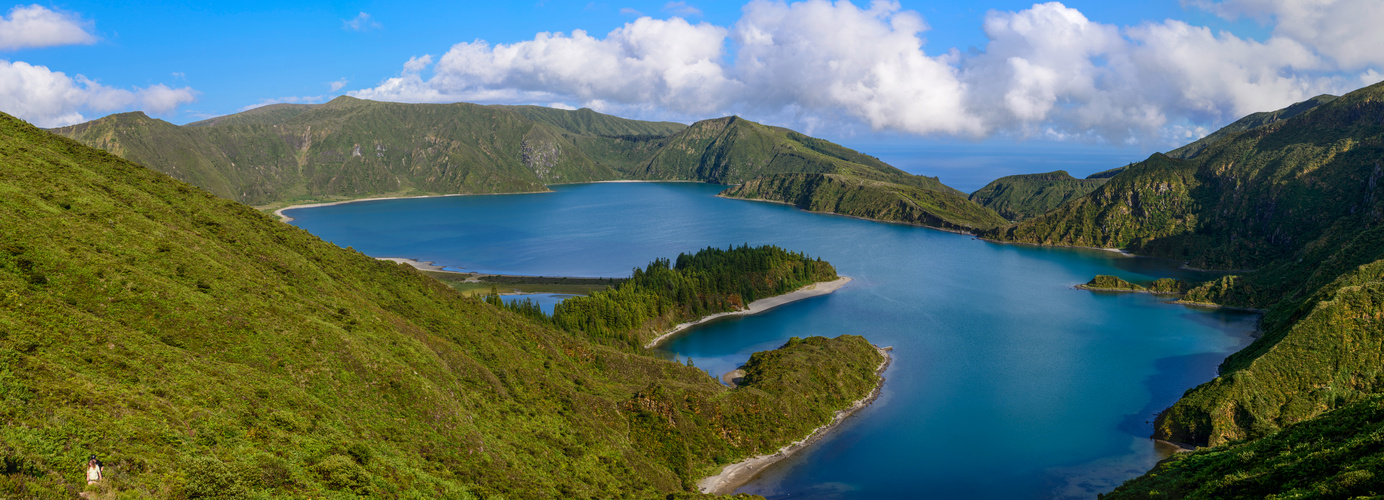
{"x":362,"y":22}
{"x":681,"y":9}
{"x":1046,"y":71}
{"x":285,"y":100}
{"x":37,"y":26}
{"x":52,"y":99}
{"x":626,"y":11}
{"x":337,"y":85}
{"x":1348,"y":31}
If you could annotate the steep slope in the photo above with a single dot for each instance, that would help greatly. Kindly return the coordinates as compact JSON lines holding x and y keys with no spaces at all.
{"x":202,"y":349}
{"x":732,"y":150}
{"x":1295,"y":195}
{"x":1019,"y":197}
{"x":1253,"y":197}
{"x":1252,"y":121}
{"x":871,"y":199}
{"x":1337,"y":455}
{"x":777,"y":164}
{"x":351,"y":148}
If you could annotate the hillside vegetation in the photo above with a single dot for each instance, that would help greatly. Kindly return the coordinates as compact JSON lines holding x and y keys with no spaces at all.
{"x":924,"y":202}
{"x":665,"y":293}
{"x":1290,"y":202}
{"x":1019,"y":197}
{"x":204,"y":350}
{"x":351,"y":148}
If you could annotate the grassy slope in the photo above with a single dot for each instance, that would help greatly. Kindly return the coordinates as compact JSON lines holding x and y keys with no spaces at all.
{"x":1337,"y":455}
{"x":350,"y":148}
{"x":777,"y":164}
{"x":878,"y":200}
{"x":1254,"y":197}
{"x":1019,"y":197}
{"x":1293,"y":194}
{"x":199,"y":346}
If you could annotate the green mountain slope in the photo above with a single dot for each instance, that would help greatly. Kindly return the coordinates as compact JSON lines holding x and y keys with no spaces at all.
{"x":203,"y":349}
{"x":1019,"y":197}
{"x":1251,"y":198}
{"x":1295,"y":196}
{"x":1337,"y":455}
{"x":350,"y":148}
{"x":1252,"y":121}
{"x":870,"y":199}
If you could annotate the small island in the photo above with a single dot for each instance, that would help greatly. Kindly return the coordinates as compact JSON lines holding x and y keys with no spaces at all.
{"x":1161,"y":286}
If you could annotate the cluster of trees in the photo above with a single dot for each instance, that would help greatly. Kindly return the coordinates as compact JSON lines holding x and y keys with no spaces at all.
{"x":669,"y":292}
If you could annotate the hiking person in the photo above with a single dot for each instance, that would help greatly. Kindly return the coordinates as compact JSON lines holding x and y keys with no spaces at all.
{"x":93,"y":472}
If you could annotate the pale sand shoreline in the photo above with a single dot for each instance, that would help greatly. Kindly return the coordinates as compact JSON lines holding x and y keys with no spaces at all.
{"x":761,"y":305}
{"x":737,"y":474}
{"x":421,"y":266}
{"x":286,"y":219}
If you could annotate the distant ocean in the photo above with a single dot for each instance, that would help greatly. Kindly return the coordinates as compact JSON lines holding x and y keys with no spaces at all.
{"x":970,"y":166}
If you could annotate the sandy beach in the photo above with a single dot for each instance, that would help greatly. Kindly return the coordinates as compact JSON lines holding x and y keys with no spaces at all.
{"x":761,"y":305}
{"x":737,"y":474}
{"x":421,"y":266}
{"x":285,"y":218}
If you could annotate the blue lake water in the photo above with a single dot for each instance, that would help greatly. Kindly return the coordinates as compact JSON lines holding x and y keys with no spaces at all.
{"x":1006,"y":381}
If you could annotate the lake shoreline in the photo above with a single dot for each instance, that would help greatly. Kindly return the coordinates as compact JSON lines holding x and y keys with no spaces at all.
{"x":738,"y":474}
{"x":759,"y":306}
{"x":857,"y":217}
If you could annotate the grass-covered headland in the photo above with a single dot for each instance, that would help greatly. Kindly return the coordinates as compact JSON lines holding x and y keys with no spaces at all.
{"x":202,"y":349}
{"x":667,"y":293}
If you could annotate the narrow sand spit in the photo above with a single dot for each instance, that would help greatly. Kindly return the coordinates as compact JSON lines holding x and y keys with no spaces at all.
{"x":737,"y":474}
{"x":761,"y":305}
{"x":421,"y":266}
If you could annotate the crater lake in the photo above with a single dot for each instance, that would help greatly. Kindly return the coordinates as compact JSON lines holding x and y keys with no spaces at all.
{"x":1006,"y":381}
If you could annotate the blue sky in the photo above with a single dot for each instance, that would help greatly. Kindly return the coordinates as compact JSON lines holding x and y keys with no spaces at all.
{"x":923,"y":84}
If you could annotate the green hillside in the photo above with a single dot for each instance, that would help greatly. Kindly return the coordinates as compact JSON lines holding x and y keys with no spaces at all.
{"x":205,"y":350}
{"x":1336,"y":455}
{"x":351,"y":148}
{"x":1289,"y":200}
{"x":1019,"y":197}
{"x":872,"y":199}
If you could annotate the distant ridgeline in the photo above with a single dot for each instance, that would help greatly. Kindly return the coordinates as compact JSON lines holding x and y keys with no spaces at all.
{"x":351,"y":148}
{"x":202,"y":349}
{"x":665,"y":294}
{"x":1292,"y":203}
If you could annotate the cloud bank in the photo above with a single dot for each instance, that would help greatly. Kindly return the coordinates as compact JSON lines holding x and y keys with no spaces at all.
{"x":36,"y":26}
{"x":51,"y":98}
{"x":1046,"y":71}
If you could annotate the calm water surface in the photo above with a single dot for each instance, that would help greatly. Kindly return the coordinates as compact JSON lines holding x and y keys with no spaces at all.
{"x":1006,"y":381}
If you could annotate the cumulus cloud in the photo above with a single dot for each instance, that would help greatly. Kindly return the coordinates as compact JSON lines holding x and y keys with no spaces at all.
{"x":337,"y":85}
{"x":362,"y":22}
{"x":52,"y":99}
{"x":37,"y":26}
{"x":1347,"y":31}
{"x":1046,"y":71}
{"x":681,"y":9}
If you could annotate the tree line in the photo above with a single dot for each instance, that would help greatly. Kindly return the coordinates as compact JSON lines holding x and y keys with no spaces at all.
{"x":668,"y":292}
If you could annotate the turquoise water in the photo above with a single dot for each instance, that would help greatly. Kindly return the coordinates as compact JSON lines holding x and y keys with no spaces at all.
{"x":1006,"y":381}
